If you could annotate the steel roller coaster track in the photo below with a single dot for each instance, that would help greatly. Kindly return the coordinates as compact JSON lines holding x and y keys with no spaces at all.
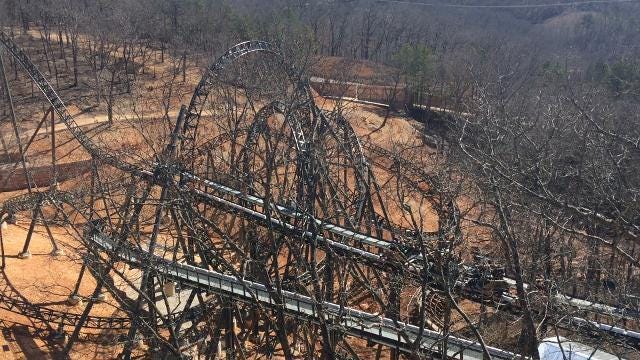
{"x":299,"y":187}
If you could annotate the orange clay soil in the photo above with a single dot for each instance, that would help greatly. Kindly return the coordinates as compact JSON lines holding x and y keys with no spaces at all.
{"x":48,"y":281}
{"x":45,"y":279}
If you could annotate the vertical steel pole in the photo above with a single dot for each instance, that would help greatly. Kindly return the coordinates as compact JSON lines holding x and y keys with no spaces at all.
{"x":2,"y":266}
{"x":14,"y":122}
{"x":54,"y":169}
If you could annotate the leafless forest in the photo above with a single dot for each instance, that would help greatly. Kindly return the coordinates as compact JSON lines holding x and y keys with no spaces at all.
{"x":322,"y":179}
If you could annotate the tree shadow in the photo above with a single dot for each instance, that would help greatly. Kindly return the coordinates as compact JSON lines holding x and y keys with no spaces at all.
{"x":25,"y":335}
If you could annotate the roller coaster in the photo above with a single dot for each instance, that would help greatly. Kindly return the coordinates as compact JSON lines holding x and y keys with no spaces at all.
{"x":262,"y":210}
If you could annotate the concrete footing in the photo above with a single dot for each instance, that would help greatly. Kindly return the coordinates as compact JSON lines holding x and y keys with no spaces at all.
{"x":59,"y":337}
{"x":58,"y":252}
{"x":74,"y":300}
{"x":169,"y":289}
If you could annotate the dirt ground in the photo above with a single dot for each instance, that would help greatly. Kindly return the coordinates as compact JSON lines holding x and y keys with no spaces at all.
{"x":48,"y":280}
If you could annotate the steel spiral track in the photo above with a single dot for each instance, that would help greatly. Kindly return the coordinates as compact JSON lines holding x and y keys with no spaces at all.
{"x":319,"y":211}
{"x":358,"y":323}
{"x":205,"y":85}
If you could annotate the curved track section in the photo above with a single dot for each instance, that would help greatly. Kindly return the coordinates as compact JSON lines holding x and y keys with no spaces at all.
{"x":11,"y":300}
{"x":275,"y":216}
{"x":61,"y":110}
{"x":353,"y":322}
{"x":34,"y":200}
{"x":205,"y":85}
